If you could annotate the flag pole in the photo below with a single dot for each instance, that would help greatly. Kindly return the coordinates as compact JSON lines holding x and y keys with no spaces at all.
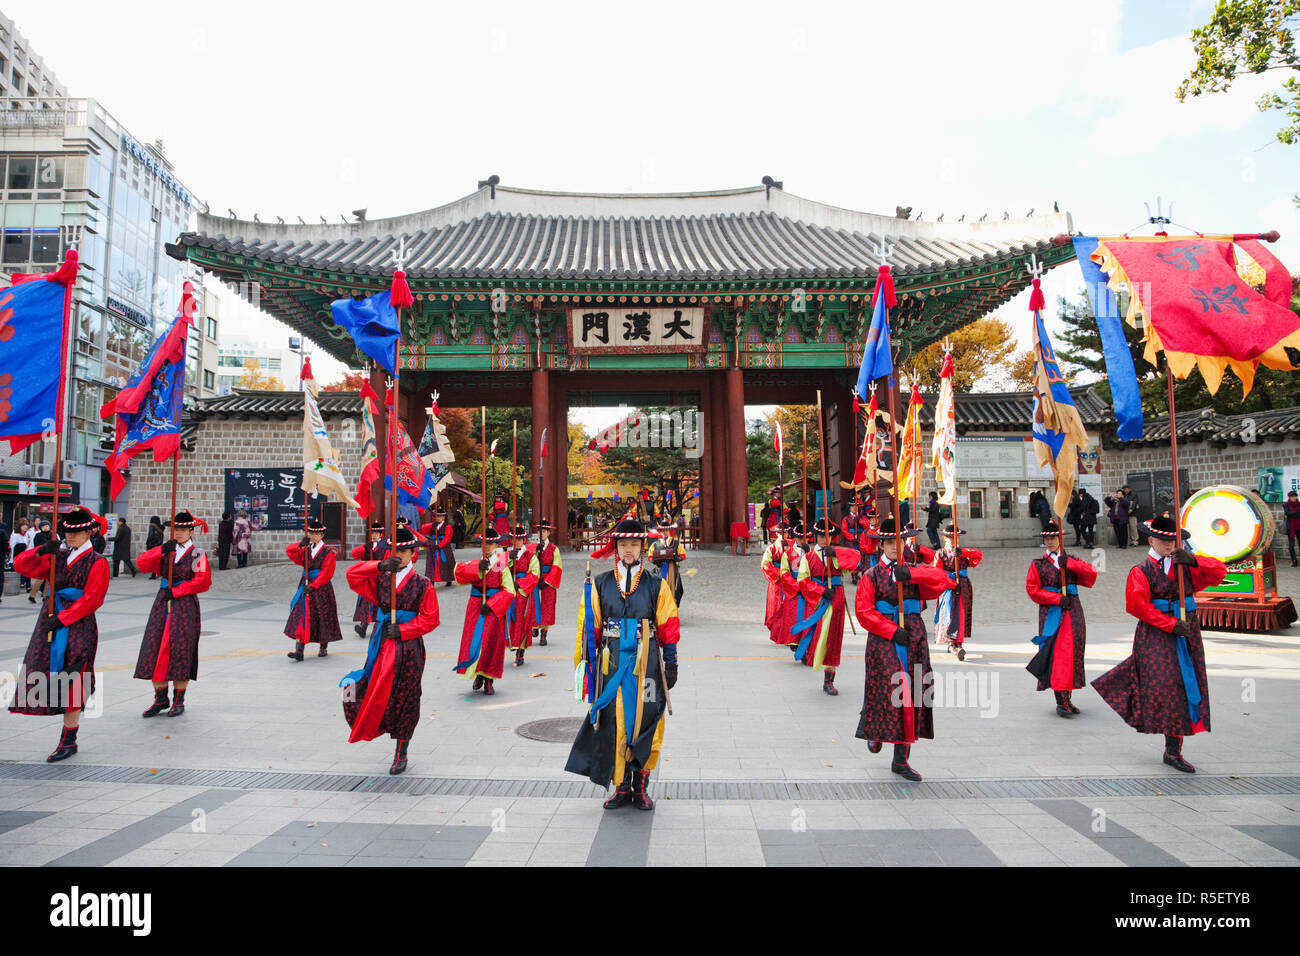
{"x":893,"y":492}
{"x":956,"y":560}
{"x":176,"y":458}
{"x":821,"y":451}
{"x":394,"y":422}
{"x":918,"y":469}
{"x":806,"y":525}
{"x":58,"y":417}
{"x":306,"y":553}
{"x":1178,"y":498}
{"x":514,"y":475}
{"x":484,"y":509}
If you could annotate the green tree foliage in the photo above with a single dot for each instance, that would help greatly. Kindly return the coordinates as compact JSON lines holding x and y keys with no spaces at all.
{"x":760,"y":459}
{"x":660,"y":469}
{"x":1250,"y":36}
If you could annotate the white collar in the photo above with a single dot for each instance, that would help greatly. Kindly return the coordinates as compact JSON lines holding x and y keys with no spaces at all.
{"x":1053,"y":556}
{"x":885,"y":559}
{"x":73,"y":555}
{"x":181,"y":549}
{"x":401,"y":575}
{"x":627,"y":575}
{"x":315,"y":548}
{"x":1164,"y":561}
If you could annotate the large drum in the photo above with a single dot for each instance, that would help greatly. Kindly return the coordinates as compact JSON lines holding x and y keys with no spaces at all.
{"x":1228,"y":523}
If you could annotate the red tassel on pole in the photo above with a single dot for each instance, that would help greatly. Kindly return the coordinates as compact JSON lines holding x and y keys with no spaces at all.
{"x":400,"y":293}
{"x":1036,"y":300}
{"x":884,"y":286}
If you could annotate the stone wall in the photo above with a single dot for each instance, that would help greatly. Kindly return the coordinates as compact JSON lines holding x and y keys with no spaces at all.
{"x":237,"y":443}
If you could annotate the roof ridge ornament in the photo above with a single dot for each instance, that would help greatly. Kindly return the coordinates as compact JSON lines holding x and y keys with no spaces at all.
{"x":400,"y":255}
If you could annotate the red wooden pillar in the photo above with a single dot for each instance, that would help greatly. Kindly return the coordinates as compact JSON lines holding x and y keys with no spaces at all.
{"x":379,"y":382}
{"x":737,"y":470}
{"x":557,"y":479}
{"x":704,"y":439}
{"x":718,"y":456}
{"x":543,"y":470}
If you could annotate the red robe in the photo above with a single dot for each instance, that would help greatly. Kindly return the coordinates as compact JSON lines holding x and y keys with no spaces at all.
{"x":552,"y":573}
{"x":1072,"y":634}
{"x":491,"y":658}
{"x":37,"y":694}
{"x":1146,"y":688}
{"x":525,"y":568}
{"x":830,"y":628}
{"x":322,"y":625}
{"x":890,"y":709}
{"x":388,"y":701}
{"x":964,"y":610}
{"x":169,"y":650}
{"x":789,"y":585}
{"x":439,"y":556}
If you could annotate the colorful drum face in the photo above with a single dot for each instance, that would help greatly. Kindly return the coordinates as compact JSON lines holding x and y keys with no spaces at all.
{"x":1228,"y":523}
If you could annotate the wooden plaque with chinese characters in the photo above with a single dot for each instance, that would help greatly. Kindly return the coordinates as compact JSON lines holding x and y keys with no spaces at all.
{"x":614,"y":329}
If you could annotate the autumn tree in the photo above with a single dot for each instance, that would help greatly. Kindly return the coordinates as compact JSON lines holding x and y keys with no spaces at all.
{"x":1250,"y":36}
{"x":1019,"y":371}
{"x":350,"y":382}
{"x":981,"y":354}
{"x":254,"y":380}
{"x":793,"y":418}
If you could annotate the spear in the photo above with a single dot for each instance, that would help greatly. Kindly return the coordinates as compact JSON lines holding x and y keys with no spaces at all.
{"x":826,"y":500}
{"x":483,"y":441}
{"x":514,"y":474}
{"x":805,"y":477}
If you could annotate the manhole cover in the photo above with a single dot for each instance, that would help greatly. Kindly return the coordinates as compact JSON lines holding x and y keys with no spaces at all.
{"x":552,"y":730}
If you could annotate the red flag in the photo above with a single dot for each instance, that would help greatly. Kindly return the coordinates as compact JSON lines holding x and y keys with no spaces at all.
{"x":866,"y":461}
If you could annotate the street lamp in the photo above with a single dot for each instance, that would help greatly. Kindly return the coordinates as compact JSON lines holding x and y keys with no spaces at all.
{"x":298,"y":345}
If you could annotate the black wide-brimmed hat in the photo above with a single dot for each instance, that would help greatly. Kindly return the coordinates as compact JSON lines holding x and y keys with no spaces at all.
{"x":1051,"y":531}
{"x":824,"y":526}
{"x":402,"y":521}
{"x":82,"y":519}
{"x":886,"y":530}
{"x":949,"y":530}
{"x":377,"y":526}
{"x":490,"y":536}
{"x":521,"y":531}
{"x":1163,"y":526}
{"x":441,"y":512}
{"x":545,"y":525}
{"x":184,"y":519}
{"x":316,"y":524}
{"x":405,"y":539}
{"x":629,"y":528}
{"x":783,"y":527}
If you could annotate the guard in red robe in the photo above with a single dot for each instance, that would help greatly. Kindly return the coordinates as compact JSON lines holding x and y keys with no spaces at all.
{"x":314,"y":610}
{"x":384,"y":695}
{"x":552,"y":571}
{"x":375,"y":549}
{"x":482,"y":654}
{"x":501,"y":521}
{"x":894,"y":700}
{"x":772,"y":565}
{"x":1161,"y":687}
{"x":667,"y":554}
{"x":527,"y":571}
{"x":1062,"y":630}
{"x":956,"y":562}
{"x":853,"y":533}
{"x":59,"y":667}
{"x":796,"y":548}
{"x":821,"y":602}
{"x":169,"y":651}
{"x":440,"y":558}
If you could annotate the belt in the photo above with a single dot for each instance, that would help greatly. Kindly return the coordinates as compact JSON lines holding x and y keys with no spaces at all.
{"x":1191,"y":688}
{"x":910,"y":606}
{"x":59,"y":646}
{"x":1052,"y":623}
{"x":297,"y":595}
{"x":372,"y":651}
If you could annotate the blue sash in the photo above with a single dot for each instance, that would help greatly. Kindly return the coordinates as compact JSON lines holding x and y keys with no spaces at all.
{"x":803,"y":625}
{"x":476,"y":642}
{"x":910,"y":606}
{"x":1052,"y":623}
{"x":372,"y":652}
{"x":297,"y":595}
{"x":1191,"y":688}
{"x":59,"y":646}
{"x":623,"y":679}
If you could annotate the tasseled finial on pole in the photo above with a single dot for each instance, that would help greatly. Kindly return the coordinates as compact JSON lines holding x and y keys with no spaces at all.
{"x":1036,"y":300}
{"x":885,"y":287}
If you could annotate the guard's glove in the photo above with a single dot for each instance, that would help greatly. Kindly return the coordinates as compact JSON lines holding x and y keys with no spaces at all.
{"x":393,"y":631}
{"x":902,"y":573}
{"x":391,"y":565}
{"x":49,"y":547}
{"x":900,"y":635}
{"x":1065,"y":603}
{"x":483,"y":566}
{"x":304,"y":542}
{"x":1182,"y":629}
{"x":1185,"y":558}
{"x":670,"y":675}
{"x":956,"y":552}
{"x":484,"y":609}
{"x":169,"y":546}
{"x":166,"y":593}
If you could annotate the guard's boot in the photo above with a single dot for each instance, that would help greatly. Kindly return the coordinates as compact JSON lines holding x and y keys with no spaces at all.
{"x":1069,"y":701}
{"x":1062,"y":708}
{"x":874,"y":746}
{"x":360,"y":629}
{"x":621,"y":795}
{"x":324,"y":650}
{"x":296,"y":653}
{"x":828,"y":684}
{"x":961,"y":651}
{"x":519,"y":657}
{"x":67,"y":745}
{"x":487,"y":687}
{"x":160,"y":703}
{"x":541,"y":636}
{"x":178,"y":705}
{"x":399,"y":758}
{"x":640,"y":799}
{"x":1174,"y":754}
{"x":478,"y":682}
{"x":900,"y":765}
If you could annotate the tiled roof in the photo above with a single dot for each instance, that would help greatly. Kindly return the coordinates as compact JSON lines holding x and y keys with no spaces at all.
{"x":1013,"y":411}
{"x":1208,"y":425}
{"x":730,"y":234}
{"x":258,"y":404}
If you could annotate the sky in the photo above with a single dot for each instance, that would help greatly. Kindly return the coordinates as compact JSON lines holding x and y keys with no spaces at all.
{"x":317,"y":109}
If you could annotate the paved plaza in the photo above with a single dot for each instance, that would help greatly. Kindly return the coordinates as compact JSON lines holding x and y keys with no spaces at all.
{"x":759,"y":766}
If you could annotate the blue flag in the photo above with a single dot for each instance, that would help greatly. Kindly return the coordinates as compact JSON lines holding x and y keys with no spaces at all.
{"x":1119,"y":359}
{"x":877,"y":361}
{"x":372,"y":323}
{"x":31,"y":333}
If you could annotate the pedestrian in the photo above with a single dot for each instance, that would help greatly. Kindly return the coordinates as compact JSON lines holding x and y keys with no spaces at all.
{"x":820,"y":628}
{"x":1053,"y":584}
{"x":667,"y":554}
{"x":1074,"y":516}
{"x":20,"y":541}
{"x":632,"y":636}
{"x":1118,"y":506}
{"x":1091,"y":509}
{"x":41,"y":536}
{"x":225,"y":538}
{"x":58,"y":671}
{"x":1161,"y":688}
{"x":896,"y":695}
{"x":169,"y":651}
{"x":552,"y":571}
{"x":384,"y":695}
{"x":242,"y":538}
{"x":154,"y":538}
{"x":1291,"y":513}
{"x":933,"y":518}
{"x":482,"y":653}
{"x":1134,"y":515}
{"x":955,"y":613}
{"x":314,"y":610}
{"x":4,"y":556}
{"x":1042,"y":511}
{"x":122,"y":547}
{"x":461,"y":528}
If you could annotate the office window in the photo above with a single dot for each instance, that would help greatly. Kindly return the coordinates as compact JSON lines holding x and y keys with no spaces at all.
{"x":212,"y":328}
{"x":22,"y":172}
{"x":1006,"y":502}
{"x":209,"y":380}
{"x":976,"y":502}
